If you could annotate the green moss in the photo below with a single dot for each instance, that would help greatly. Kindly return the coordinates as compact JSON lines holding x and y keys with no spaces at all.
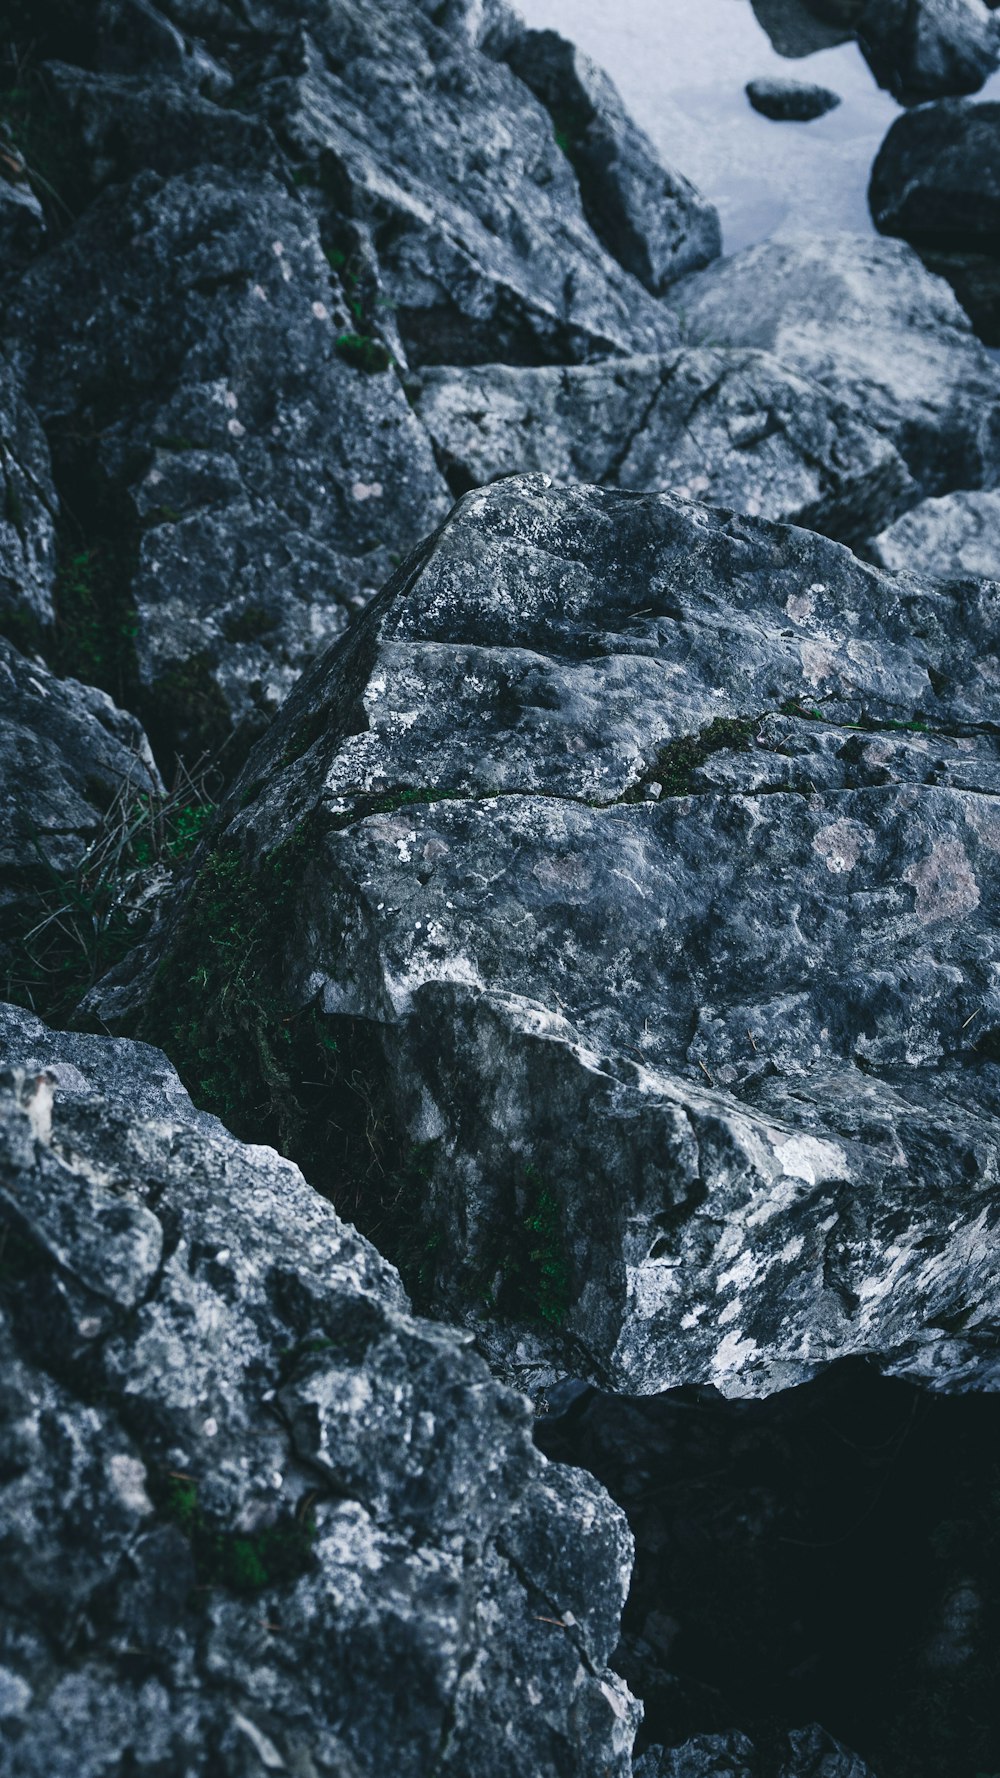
{"x":238,"y":1562}
{"x":548,"y":1273}
{"x":95,"y":618}
{"x":677,"y":762}
{"x":364,"y":353}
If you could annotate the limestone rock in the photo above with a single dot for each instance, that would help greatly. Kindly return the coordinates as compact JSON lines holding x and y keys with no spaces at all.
{"x":67,"y":755}
{"x":920,"y":49}
{"x":650,"y":218}
{"x":955,"y":537}
{"x":193,"y":322}
{"x":29,"y":509}
{"x":257,"y":1517}
{"x":936,"y":182}
{"x":791,"y":101}
{"x":729,"y":427}
{"x":864,"y":319}
{"x":637,"y":860}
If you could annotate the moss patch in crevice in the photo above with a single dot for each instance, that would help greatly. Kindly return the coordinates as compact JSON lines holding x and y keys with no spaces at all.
{"x":677,"y":762}
{"x":240,"y":1562}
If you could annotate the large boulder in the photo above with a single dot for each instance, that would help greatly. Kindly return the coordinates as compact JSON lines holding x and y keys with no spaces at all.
{"x":732,"y":428}
{"x":919,"y":49}
{"x":192,"y":324}
{"x":936,"y":182}
{"x":649,"y":217}
{"x":73,"y":768}
{"x":867,"y":321}
{"x":255,"y":1516}
{"x":610,"y":920}
{"x":955,"y":537}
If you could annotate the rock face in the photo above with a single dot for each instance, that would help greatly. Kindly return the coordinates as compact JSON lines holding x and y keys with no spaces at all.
{"x":732,"y":428}
{"x":791,"y":101}
{"x":919,"y":49}
{"x":637,"y":860}
{"x":651,"y":219}
{"x":28,"y":511}
{"x":257,"y":221}
{"x":936,"y":182}
{"x":956,"y":537}
{"x":255,"y":1516}
{"x":865,"y":320}
{"x":68,"y":755}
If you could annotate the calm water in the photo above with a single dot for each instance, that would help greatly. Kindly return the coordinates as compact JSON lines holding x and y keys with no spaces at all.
{"x":682,"y":65}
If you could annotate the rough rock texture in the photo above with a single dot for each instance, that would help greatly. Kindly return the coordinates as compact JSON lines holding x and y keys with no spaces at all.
{"x":651,"y":219}
{"x":66,"y":754}
{"x":936,"y":182}
{"x":256,"y":1517}
{"x":641,"y":861}
{"x":257,"y":217}
{"x":791,"y":101}
{"x":190,"y":323}
{"x":732,"y":428}
{"x":919,"y":49}
{"x":955,"y":537}
{"x":28,"y":512}
{"x":867,"y":321}
{"x":808,"y":1753}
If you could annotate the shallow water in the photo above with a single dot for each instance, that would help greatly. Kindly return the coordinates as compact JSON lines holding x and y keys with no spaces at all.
{"x":682,"y":69}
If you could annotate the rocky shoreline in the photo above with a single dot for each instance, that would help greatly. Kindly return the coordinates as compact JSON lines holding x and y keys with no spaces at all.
{"x":500,"y":1053}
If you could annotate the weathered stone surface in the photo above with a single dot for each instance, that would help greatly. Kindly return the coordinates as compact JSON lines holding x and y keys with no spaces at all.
{"x":920,"y":49}
{"x":936,"y":182}
{"x":791,"y":101}
{"x":66,"y":754}
{"x":808,"y":1753}
{"x":794,"y":30}
{"x":732,"y":428}
{"x":649,"y":217}
{"x":28,"y":511}
{"x":451,"y":165}
{"x":255,"y":1516}
{"x":727,"y":1054}
{"x":193,"y":324}
{"x":867,"y":321}
{"x":955,"y":537}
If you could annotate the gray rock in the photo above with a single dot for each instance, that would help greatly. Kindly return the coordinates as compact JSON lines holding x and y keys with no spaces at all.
{"x":794,"y":30}
{"x":68,"y":755}
{"x":956,"y":537}
{"x":194,"y":324}
{"x":650,"y":218}
{"x":474,"y":212}
{"x":936,"y":182}
{"x":257,"y":1517}
{"x":732,"y":428}
{"x":29,"y":509}
{"x":919,"y":49}
{"x":867,"y":321}
{"x":808,"y":1753}
{"x":791,"y":101}
{"x":701,"y":1088}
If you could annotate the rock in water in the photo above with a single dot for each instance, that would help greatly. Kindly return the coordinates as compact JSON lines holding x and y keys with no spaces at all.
{"x":864,"y":319}
{"x":956,"y":537}
{"x":256,"y":1517}
{"x":936,"y":182}
{"x":732,"y":428}
{"x":791,"y":101}
{"x":616,"y":905}
{"x":69,"y":760}
{"x":919,"y":49}
{"x":651,"y":219}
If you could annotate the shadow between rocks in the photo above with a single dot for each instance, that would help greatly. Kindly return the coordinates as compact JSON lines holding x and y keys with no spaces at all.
{"x":831,"y":1554}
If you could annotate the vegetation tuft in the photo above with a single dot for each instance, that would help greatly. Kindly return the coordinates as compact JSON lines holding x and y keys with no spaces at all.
{"x":241,"y":1562}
